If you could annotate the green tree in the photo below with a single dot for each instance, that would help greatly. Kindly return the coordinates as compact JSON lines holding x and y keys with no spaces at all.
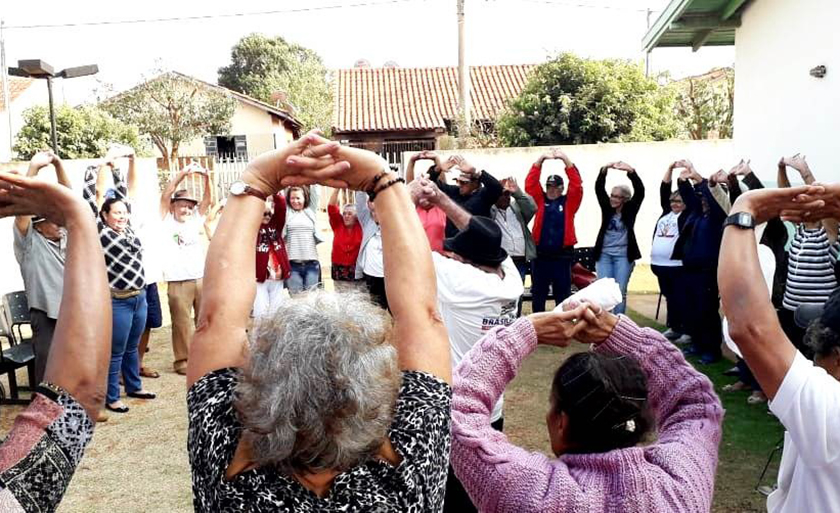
{"x":82,"y":132}
{"x":571,"y":100}
{"x":705,"y":104}
{"x":172,"y":109}
{"x":262,"y":66}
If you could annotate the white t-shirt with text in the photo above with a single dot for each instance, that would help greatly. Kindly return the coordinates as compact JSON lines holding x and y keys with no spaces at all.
{"x":472,"y":302}
{"x":183,"y":248}
{"x":808,"y":405}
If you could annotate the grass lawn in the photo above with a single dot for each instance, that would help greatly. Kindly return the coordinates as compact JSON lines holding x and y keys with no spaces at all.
{"x":137,"y":462}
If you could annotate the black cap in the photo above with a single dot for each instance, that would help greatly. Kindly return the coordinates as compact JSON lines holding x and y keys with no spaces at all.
{"x":554,"y":180}
{"x":480,"y":242}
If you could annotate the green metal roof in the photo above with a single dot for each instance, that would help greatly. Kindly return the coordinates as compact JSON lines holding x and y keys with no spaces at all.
{"x":696,"y":23}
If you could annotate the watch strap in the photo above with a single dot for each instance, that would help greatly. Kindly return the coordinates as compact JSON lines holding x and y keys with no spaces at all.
{"x":743,"y":220}
{"x":250,"y":191}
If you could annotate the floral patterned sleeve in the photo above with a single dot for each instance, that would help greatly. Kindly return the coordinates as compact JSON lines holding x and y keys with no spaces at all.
{"x":42,"y":451}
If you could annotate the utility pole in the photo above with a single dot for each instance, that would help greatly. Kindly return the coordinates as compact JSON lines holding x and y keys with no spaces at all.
{"x":647,"y":53}
{"x":7,"y":100}
{"x":463,"y":75}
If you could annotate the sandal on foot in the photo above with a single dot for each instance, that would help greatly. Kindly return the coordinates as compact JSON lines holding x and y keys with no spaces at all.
{"x":736,"y":387}
{"x":757,"y":398}
{"x":117,"y":409}
{"x":149,"y":373}
{"x":141,"y":394}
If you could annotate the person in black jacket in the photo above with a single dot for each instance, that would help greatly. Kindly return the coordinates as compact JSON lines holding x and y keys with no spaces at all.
{"x":616,"y":249}
{"x":477,"y":191}
{"x":662,"y":262}
{"x":698,"y":248}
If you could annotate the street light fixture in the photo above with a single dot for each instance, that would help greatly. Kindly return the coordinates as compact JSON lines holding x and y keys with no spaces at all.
{"x":36,"y":68}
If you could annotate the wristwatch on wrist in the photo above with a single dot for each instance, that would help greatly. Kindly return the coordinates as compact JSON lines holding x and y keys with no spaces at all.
{"x":743,"y":220}
{"x":240,"y":188}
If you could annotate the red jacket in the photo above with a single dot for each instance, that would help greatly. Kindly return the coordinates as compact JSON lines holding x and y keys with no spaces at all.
{"x":346,"y":241}
{"x":574,"y":195}
{"x":270,"y":237}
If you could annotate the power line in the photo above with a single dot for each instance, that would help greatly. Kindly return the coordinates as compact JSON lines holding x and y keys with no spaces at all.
{"x":561,"y":3}
{"x":205,"y":16}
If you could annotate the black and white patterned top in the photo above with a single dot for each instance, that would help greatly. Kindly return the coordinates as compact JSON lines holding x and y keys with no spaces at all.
{"x":419,"y":433}
{"x":123,"y":250}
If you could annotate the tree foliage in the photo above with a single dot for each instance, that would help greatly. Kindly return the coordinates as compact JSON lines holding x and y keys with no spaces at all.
{"x":572,"y":100}
{"x":172,"y":109}
{"x":261,"y":66}
{"x":705,"y":104}
{"x":81,"y":132}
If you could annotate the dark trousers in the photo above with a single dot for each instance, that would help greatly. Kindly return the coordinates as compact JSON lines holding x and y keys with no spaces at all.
{"x":456,"y":499}
{"x":550,"y":271}
{"x":521,"y":266}
{"x":42,"y":334}
{"x":669,"y":278}
{"x":699,"y":285}
{"x":376,"y":288}
{"x":746,"y":376}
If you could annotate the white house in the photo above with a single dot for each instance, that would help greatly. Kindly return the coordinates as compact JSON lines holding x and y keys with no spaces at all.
{"x":787,"y":73}
{"x":24,"y":93}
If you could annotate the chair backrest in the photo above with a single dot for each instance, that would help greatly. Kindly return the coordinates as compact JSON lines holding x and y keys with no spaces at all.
{"x":5,"y":327}
{"x":17,"y":308}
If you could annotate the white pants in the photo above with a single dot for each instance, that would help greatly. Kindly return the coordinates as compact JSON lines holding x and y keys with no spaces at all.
{"x":270,"y":295}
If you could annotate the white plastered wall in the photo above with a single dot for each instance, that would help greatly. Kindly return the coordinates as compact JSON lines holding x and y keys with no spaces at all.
{"x":780,"y":109}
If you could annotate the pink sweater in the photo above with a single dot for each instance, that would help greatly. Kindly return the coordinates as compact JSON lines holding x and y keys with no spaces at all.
{"x":674,"y":474}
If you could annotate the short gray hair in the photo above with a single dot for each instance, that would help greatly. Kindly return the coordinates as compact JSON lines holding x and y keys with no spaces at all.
{"x":625,"y":191}
{"x":321,"y":383}
{"x":348,"y":206}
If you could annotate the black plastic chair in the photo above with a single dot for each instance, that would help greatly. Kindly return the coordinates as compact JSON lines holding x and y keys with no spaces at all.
{"x":17,"y":313}
{"x":17,"y":355}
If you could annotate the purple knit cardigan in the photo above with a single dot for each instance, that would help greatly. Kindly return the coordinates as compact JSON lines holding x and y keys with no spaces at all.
{"x":677,"y":473}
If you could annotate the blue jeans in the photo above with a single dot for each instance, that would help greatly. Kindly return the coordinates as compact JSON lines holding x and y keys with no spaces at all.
{"x":129,"y":319}
{"x":305,"y":275}
{"x":620,"y":269}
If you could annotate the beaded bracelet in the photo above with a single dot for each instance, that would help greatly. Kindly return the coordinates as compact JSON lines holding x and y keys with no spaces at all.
{"x":372,"y":195}
{"x":375,"y":181}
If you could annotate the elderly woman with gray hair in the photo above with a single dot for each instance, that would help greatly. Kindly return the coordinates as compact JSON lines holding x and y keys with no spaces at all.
{"x":332,"y":406}
{"x":616,"y":248}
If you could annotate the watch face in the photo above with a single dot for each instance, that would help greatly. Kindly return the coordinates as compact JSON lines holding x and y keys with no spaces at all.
{"x":237,"y":188}
{"x":745,"y":219}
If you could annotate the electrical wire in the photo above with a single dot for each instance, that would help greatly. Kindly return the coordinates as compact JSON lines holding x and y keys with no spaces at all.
{"x":205,"y":16}
{"x":574,"y":4}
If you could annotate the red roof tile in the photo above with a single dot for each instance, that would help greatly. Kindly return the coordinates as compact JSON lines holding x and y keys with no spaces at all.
{"x":16,"y":87}
{"x":393,"y":99}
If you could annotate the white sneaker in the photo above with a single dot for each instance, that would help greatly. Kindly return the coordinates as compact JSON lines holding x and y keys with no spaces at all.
{"x":671,"y":334}
{"x":683,"y":340}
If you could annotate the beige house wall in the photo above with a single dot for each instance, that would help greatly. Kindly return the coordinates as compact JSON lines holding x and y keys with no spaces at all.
{"x":258,"y":126}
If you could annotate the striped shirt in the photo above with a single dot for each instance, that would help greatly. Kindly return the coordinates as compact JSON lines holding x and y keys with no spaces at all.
{"x":123,"y":250}
{"x":810,"y":278}
{"x":300,"y":236}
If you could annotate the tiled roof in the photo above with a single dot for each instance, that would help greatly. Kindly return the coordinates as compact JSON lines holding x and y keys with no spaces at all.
{"x":394,"y":99}
{"x":16,"y":88}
